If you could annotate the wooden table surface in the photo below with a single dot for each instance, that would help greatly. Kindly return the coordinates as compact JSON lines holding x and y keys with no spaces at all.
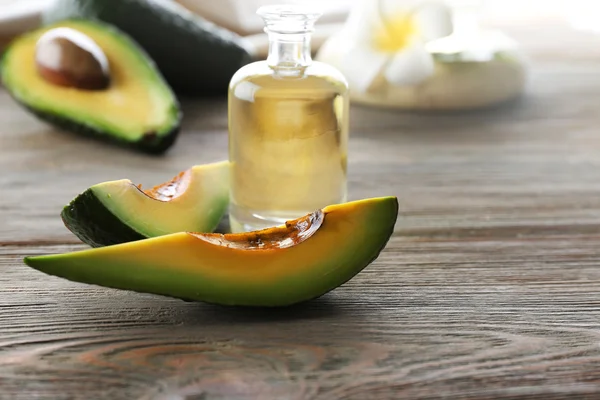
{"x":489,"y":288}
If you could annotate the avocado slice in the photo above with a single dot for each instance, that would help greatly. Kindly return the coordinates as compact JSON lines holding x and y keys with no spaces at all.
{"x":196,"y":56}
{"x":279,"y":266}
{"x":138,"y":109}
{"x":118,"y":211}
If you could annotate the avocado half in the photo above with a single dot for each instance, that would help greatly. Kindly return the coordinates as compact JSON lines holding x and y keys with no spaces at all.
{"x":280,"y":266}
{"x":196,"y":56}
{"x":119,"y":211}
{"x":137,"y":110}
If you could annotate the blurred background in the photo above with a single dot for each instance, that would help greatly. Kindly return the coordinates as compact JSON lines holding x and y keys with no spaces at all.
{"x":239,"y":15}
{"x":485,"y":62}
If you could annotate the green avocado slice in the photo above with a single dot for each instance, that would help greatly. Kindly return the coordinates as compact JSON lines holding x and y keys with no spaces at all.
{"x":119,"y":211}
{"x":196,"y":56}
{"x":138,"y":109}
{"x":279,"y":266}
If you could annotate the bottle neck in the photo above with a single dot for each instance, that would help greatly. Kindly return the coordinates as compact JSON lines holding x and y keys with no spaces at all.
{"x":289,"y":51}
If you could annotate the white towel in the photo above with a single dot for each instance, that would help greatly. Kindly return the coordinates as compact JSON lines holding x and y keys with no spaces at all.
{"x":240,"y":15}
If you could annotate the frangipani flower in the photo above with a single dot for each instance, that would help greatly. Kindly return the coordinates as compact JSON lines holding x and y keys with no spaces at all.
{"x":387,"y":38}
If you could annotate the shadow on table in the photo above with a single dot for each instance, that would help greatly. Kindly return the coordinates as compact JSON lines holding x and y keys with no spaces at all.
{"x":325,"y":317}
{"x":382,"y":123}
{"x":323,"y":307}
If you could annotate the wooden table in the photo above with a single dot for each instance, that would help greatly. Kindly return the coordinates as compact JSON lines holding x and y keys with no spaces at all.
{"x":489,"y":288}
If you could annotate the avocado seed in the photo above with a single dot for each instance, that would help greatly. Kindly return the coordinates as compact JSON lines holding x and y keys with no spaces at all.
{"x":67,"y":57}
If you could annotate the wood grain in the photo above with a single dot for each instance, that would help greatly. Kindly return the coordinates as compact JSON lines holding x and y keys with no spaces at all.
{"x":500,"y":318}
{"x":489,"y":288}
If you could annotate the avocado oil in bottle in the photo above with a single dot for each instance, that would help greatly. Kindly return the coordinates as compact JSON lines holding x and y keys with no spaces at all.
{"x":288,"y":128}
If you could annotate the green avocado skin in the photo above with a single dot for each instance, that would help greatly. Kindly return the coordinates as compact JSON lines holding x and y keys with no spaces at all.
{"x":150,"y":143}
{"x":195,"y":56}
{"x":94,"y":224}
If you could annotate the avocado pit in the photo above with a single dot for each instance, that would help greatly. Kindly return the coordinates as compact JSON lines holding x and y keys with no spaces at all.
{"x":67,"y":57}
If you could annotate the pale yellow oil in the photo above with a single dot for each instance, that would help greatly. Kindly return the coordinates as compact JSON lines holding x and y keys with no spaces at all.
{"x":288,"y":147}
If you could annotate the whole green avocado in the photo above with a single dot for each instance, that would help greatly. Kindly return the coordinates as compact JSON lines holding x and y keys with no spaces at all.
{"x":195,"y":56}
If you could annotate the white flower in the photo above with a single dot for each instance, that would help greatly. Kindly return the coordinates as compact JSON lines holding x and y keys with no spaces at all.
{"x":387,"y":38}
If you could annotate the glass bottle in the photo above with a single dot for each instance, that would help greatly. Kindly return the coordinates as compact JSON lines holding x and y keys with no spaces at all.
{"x":288,"y":127}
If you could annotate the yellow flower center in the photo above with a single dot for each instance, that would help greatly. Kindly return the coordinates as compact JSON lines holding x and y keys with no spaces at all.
{"x":395,"y":33}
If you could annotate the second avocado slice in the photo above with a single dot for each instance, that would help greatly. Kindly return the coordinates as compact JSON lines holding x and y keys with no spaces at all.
{"x":118,"y":211}
{"x":138,"y":109}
